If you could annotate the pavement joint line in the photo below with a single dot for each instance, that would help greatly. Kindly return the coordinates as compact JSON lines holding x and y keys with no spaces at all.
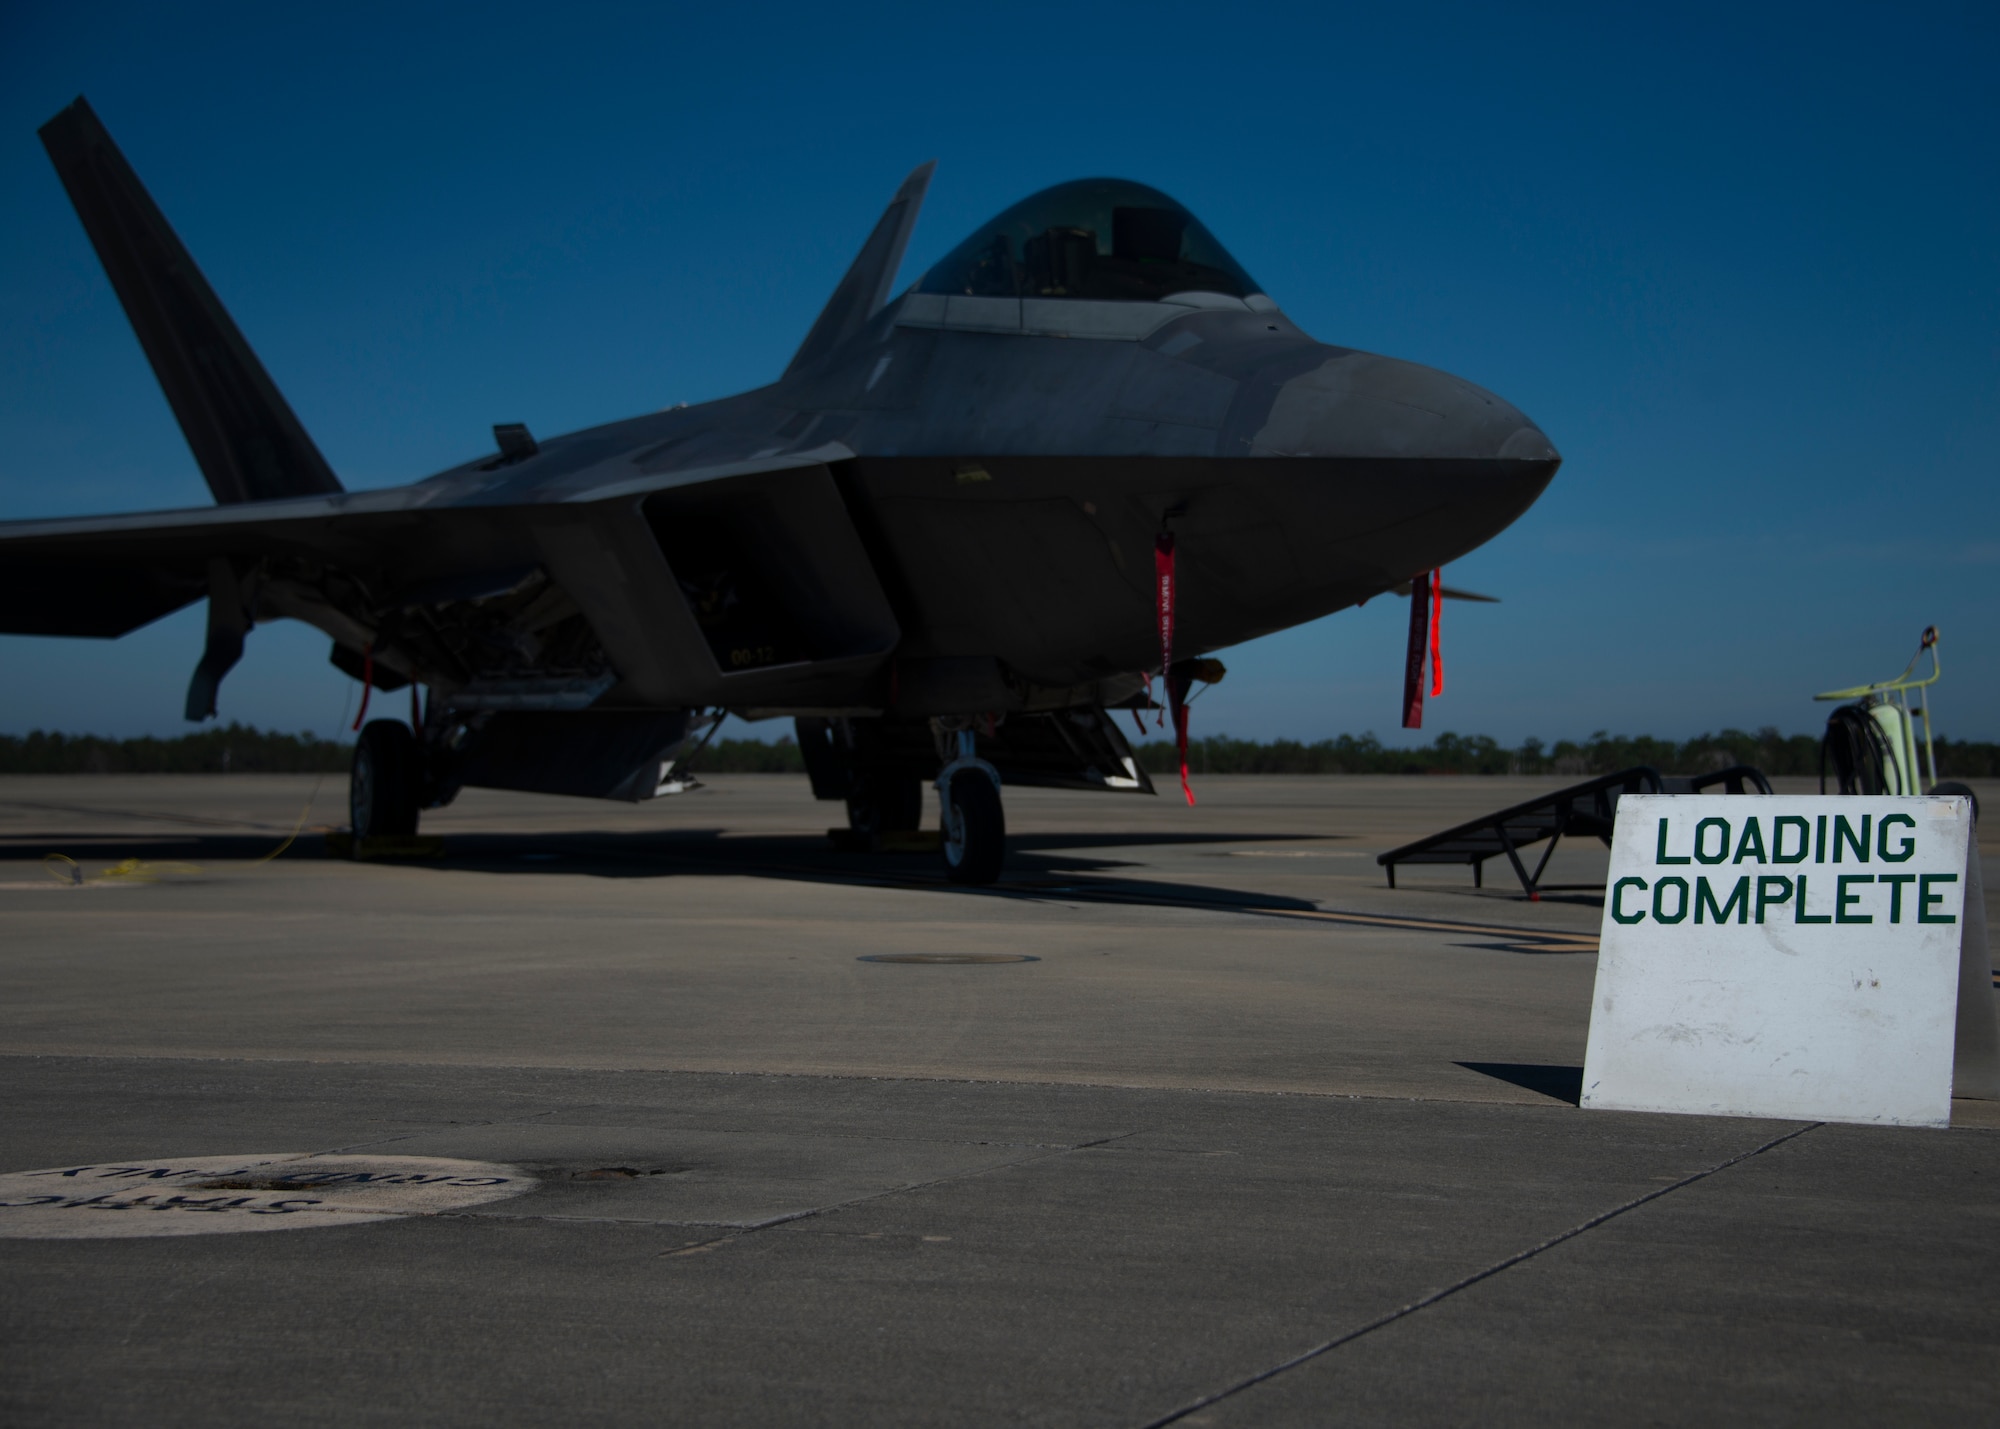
{"x":676,"y":1129}
{"x":733,"y":1228}
{"x":672,"y":1128}
{"x":736,"y":1230}
{"x":935,"y":1181}
{"x":1424,"y":1303}
{"x":432,"y":1130}
{"x":1020,"y":892}
{"x":1028,"y":893}
{"x":1558,"y":941}
{"x":194,"y":819}
{"x":891,"y":1078}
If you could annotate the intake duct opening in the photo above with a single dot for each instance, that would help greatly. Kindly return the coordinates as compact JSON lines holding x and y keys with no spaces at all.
{"x":772,"y":571}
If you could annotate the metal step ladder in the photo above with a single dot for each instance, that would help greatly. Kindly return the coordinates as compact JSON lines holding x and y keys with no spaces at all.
{"x":1582,"y":810}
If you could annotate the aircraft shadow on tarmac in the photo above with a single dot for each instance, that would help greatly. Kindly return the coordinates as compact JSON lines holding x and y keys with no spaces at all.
{"x":1072,"y":868}
{"x":1040,"y":866}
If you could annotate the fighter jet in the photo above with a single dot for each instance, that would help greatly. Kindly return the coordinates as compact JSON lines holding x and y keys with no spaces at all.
{"x":963,"y":526}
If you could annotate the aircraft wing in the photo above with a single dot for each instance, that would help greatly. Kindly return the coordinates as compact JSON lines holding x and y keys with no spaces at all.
{"x":730,"y":583}
{"x":107,"y":575}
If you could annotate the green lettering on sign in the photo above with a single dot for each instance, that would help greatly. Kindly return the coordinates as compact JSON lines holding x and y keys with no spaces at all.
{"x":1896,"y":882}
{"x":1739,"y":901}
{"x":1660,"y":914}
{"x":1904,"y":849}
{"x":1844,"y":837}
{"x":1701,"y":854}
{"x":1927,"y":900}
{"x":1778,"y":827}
{"x":1751,"y":842}
{"x":1662,"y":856}
{"x":1618,"y":913}
{"x":1843,"y":900}
{"x":1772,"y":891}
{"x":1799,"y":914}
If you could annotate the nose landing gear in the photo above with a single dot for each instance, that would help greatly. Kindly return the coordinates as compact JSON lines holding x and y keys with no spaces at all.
{"x":878,"y":765}
{"x":974,"y":824}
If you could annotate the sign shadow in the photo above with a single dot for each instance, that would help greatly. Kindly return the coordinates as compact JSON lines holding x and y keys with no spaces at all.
{"x":1563,"y":1084}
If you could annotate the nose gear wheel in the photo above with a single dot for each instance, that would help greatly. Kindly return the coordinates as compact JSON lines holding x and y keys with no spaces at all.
{"x":975,"y":828}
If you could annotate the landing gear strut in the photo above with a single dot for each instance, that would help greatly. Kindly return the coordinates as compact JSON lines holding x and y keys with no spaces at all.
{"x":974,"y":824}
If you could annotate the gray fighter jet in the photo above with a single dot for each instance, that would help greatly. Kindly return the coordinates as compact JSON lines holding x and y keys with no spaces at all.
{"x":966,"y":524}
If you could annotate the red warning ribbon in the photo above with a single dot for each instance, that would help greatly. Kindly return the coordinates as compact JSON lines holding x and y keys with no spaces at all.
{"x":1437,"y":651}
{"x":1425,"y":649}
{"x":1177,"y":688}
{"x":1177,"y":684}
{"x":1163,"y":591}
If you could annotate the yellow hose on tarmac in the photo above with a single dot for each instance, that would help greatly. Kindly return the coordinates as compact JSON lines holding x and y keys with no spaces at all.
{"x":64,"y":869}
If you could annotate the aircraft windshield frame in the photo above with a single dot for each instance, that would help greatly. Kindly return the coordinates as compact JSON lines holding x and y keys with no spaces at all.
{"x":1102,"y":239}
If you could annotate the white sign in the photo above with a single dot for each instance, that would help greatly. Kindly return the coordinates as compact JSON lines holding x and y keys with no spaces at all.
{"x":1785,"y":957}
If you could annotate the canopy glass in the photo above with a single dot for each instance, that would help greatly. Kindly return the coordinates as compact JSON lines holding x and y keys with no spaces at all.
{"x":1091,"y":238}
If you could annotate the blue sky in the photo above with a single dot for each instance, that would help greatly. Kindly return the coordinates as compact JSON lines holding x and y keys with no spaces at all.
{"x":1738,"y":261}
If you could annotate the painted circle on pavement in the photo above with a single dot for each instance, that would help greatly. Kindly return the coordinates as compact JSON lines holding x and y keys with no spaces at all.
{"x":208,"y":1195}
{"x":939,"y":959}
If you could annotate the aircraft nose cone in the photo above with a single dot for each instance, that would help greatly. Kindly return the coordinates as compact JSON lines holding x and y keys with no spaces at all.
{"x":1356,"y":404}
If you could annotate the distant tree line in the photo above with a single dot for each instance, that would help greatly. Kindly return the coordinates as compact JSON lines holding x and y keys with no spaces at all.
{"x":750,"y":756}
{"x":1602,"y":753}
{"x":238,"y":749}
{"x":234,"y":749}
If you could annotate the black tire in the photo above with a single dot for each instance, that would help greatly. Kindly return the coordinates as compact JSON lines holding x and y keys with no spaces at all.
{"x":975,"y":829}
{"x":886,"y":804}
{"x":383,"y":784}
{"x":1948,"y":787}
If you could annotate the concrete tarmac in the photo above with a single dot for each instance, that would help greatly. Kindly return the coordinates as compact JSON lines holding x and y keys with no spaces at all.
{"x":1203,"y":1125}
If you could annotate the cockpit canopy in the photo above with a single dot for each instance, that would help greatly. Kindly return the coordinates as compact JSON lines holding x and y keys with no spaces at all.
{"x":1091,"y":238}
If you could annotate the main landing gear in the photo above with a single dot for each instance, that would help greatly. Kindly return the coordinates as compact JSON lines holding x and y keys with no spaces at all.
{"x":385,"y":785}
{"x":974,"y":824}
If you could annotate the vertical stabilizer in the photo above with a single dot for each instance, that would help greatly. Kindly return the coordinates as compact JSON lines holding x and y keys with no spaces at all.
{"x":247,"y":441}
{"x":866,"y":287}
